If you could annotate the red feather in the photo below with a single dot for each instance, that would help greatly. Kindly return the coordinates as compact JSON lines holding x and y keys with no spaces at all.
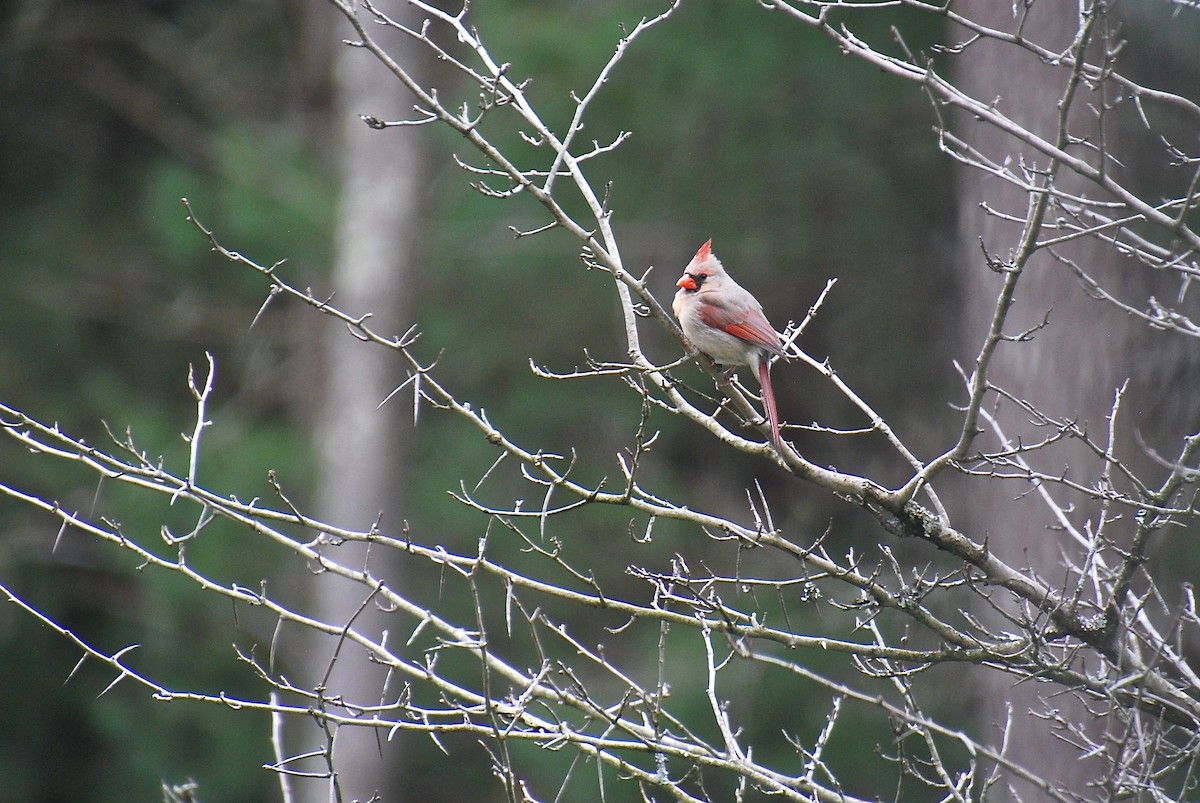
{"x":768,"y":395}
{"x":749,"y":325}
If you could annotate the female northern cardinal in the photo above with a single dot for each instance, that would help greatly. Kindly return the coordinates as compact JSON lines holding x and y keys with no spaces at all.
{"x":727,"y":323}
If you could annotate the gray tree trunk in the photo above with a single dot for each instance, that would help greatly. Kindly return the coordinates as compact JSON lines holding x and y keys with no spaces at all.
{"x":1070,"y":369}
{"x":361,"y":447}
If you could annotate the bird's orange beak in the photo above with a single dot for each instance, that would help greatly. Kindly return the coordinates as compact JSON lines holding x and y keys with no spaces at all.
{"x":686,"y":282}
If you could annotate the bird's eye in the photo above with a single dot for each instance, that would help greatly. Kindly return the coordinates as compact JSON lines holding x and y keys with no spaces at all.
{"x":700,"y":279}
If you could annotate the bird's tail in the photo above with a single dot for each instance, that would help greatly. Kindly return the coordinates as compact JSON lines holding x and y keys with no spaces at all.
{"x":768,"y":394}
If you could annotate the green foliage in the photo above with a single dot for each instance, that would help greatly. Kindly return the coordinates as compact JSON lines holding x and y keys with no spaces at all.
{"x":109,"y":294}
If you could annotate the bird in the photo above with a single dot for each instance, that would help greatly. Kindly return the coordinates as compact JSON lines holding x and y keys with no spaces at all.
{"x":727,"y":323}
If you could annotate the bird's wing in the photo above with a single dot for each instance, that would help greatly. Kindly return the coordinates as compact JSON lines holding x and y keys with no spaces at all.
{"x":746,"y":323}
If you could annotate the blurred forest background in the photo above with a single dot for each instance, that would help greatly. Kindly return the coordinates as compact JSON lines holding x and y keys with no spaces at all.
{"x":801,"y":165}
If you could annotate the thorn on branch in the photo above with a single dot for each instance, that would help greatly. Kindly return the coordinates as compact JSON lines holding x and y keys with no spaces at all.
{"x":271,"y":294}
